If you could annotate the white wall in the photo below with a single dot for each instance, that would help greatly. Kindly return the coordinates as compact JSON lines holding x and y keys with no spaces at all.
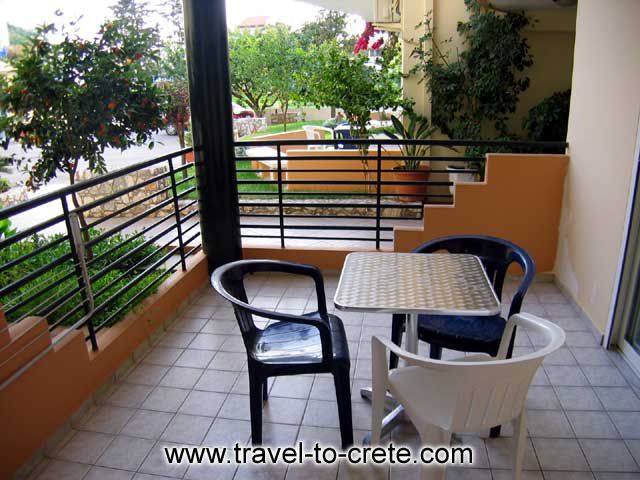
{"x":605,"y":106}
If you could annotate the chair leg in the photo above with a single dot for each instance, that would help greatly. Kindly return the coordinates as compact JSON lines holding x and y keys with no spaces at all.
{"x":397,"y":325}
{"x":256,"y":389}
{"x":435,"y":352}
{"x":378,"y":394}
{"x":519,"y":444}
{"x":434,"y":436}
{"x":265,"y":390}
{"x":343,"y":397}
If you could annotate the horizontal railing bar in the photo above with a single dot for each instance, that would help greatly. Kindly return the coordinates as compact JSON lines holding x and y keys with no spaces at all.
{"x":182,"y":168}
{"x":354,"y":158}
{"x":342,"y":239}
{"x":123,"y":275}
{"x":317,"y":227}
{"x":320,"y":194}
{"x":342,"y":182}
{"x":107,"y":233}
{"x":107,"y":198}
{"x":121,"y":260}
{"x":190,"y":204}
{"x":30,"y":231}
{"x":7,"y":289}
{"x":185,"y":180}
{"x":134,"y":281}
{"x":128,"y":207}
{"x":186,"y":192}
{"x":346,"y":217}
{"x":402,"y":141}
{"x":352,"y":170}
{"x":56,"y":277}
{"x":43,"y":308}
{"x":133,"y":299}
{"x":131,"y":238}
{"x":330,"y":205}
{"x":33,"y":253}
{"x":76,"y":187}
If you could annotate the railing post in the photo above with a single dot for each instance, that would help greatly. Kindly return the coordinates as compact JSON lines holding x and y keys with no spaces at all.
{"x":176,"y":210}
{"x":378,"y":195}
{"x":280,"y":204}
{"x":82,"y":273}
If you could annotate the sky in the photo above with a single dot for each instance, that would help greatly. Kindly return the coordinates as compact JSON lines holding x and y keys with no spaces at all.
{"x":29,"y":13}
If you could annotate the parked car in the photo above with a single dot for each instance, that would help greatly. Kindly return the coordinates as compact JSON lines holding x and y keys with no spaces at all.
{"x":242,"y":112}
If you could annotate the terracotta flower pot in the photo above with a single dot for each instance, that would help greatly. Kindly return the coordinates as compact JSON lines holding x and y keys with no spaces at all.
{"x":189,"y":157}
{"x":411,"y":193}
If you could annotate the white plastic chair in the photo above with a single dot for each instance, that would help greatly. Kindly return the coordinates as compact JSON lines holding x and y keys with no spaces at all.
{"x":465,"y":395}
{"x":316,"y":133}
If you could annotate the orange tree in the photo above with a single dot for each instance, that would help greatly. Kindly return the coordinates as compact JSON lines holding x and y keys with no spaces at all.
{"x":74,"y":98}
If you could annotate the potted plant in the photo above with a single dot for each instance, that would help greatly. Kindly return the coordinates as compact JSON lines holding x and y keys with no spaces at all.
{"x":410,"y":168}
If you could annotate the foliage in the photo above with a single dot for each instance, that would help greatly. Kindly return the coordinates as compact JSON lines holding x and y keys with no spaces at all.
{"x":4,"y":185}
{"x":329,"y":26}
{"x":18,"y":35}
{"x":548,"y":120}
{"x":285,"y":65}
{"x":52,"y":285}
{"x":248,"y":72}
{"x":173,"y":72}
{"x":338,"y":79}
{"x":75,"y":98}
{"x":477,"y":91}
{"x":418,"y":128}
{"x":6,"y":227}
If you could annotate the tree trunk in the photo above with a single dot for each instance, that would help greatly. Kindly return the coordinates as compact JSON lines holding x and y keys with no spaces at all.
{"x":286,"y":110}
{"x":81,"y":218}
{"x":180,"y":131}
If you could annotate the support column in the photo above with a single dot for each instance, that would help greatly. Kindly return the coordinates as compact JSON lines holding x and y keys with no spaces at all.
{"x":413,"y":12}
{"x":210,"y":95}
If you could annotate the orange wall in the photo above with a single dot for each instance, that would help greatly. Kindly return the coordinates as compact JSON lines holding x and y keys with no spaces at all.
{"x":42,"y":400}
{"x":341,"y":164}
{"x":520,"y":201}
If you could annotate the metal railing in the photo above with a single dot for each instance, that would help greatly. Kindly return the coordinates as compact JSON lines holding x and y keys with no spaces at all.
{"x":275,"y":193}
{"x":84,"y":265}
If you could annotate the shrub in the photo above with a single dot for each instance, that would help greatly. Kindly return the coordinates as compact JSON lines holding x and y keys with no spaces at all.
{"x":548,"y":120}
{"x":54,"y":286}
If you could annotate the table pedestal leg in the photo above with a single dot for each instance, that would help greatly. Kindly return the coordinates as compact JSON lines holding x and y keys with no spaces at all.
{"x":395,"y":416}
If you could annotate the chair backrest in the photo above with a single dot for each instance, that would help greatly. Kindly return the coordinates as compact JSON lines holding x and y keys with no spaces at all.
{"x":496,"y":255}
{"x":482,"y":394}
{"x":228,"y":281}
{"x":313,"y":133}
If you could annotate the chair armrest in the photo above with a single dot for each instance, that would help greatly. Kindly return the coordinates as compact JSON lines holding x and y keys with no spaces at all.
{"x":411,"y":358}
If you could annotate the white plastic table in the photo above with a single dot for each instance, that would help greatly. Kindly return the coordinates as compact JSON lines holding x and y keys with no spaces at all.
{"x":414,"y":284}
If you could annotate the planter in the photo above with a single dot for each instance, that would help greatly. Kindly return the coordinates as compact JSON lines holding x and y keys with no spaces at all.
{"x":189,"y":157}
{"x":410,"y":193}
{"x":459,"y":177}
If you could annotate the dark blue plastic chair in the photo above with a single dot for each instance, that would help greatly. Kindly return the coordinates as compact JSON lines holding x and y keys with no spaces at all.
{"x":471,"y":334}
{"x":297,"y":344}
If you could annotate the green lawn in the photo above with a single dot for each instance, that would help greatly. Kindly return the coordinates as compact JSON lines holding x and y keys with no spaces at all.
{"x":280,"y":128}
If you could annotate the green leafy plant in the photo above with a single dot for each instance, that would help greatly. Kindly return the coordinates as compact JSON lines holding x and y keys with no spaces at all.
{"x":74,"y":98}
{"x":6,"y":227}
{"x":476,"y":92}
{"x":418,"y":128}
{"x":346,"y":81}
{"x":115,"y":285}
{"x":548,"y":120}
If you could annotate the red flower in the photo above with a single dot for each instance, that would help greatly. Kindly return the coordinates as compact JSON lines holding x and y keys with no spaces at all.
{"x":363,"y":40}
{"x":378,"y":44}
